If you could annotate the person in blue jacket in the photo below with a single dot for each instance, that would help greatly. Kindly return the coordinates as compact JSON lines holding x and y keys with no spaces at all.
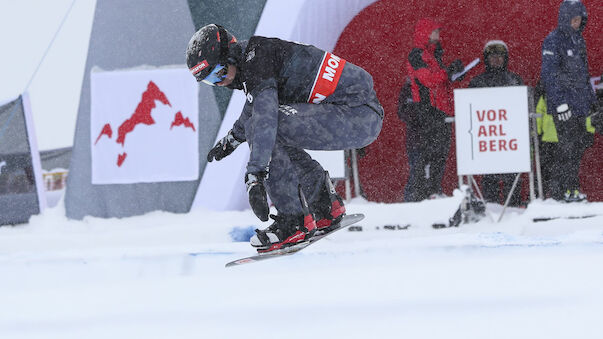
{"x":570,"y":97}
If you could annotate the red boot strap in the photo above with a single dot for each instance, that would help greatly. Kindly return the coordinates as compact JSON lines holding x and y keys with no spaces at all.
{"x":322,"y":223}
{"x":337,"y":209}
{"x":309,"y":223}
{"x":292,"y":240}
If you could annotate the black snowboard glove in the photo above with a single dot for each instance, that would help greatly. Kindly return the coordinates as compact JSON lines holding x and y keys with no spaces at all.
{"x":224,"y":147}
{"x":455,"y":67}
{"x":257,"y":194}
{"x":361,"y":152}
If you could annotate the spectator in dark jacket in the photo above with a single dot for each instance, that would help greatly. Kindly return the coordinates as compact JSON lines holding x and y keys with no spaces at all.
{"x":496,"y":58}
{"x":570,"y":96}
{"x":427,"y":134}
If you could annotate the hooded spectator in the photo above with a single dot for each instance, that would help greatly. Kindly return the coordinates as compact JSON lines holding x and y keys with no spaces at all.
{"x":427,"y":134}
{"x":569,"y":95}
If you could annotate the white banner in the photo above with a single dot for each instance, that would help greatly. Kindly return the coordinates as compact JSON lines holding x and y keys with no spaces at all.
{"x":332,"y":161}
{"x":144,"y":126}
{"x":492,"y":130}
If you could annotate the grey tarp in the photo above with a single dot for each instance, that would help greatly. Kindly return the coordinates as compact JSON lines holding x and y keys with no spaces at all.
{"x":155,"y":33}
{"x":55,"y":158}
{"x":18,"y":195}
{"x":127,"y":34}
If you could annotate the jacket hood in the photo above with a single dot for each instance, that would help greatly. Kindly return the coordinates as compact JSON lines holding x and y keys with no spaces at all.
{"x":236,"y":52}
{"x":423,"y":30}
{"x":568,"y":10}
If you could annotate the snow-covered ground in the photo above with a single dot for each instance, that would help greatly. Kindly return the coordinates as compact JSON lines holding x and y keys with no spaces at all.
{"x":162,"y":275}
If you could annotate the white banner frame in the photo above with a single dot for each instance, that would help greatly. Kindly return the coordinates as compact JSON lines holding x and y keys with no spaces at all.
{"x":167,"y":150}
{"x":35,"y":153}
{"x":492,"y":130}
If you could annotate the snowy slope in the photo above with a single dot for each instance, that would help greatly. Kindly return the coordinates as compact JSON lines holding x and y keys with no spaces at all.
{"x":162,"y":276}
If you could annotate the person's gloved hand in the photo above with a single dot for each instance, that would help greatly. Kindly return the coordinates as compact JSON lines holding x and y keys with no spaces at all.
{"x":257,"y":194}
{"x":564,"y":113}
{"x":361,"y":152}
{"x":224,"y":147}
{"x":455,"y":67}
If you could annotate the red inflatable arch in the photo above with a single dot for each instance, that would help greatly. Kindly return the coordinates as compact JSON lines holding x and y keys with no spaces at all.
{"x":379,"y":39}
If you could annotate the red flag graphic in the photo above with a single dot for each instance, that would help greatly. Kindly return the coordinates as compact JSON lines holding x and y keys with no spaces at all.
{"x":142,"y":114}
{"x":121,"y":158}
{"x":106,"y":131}
{"x":179,"y":120}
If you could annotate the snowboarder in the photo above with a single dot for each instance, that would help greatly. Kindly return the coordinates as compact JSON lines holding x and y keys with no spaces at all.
{"x":298,"y":97}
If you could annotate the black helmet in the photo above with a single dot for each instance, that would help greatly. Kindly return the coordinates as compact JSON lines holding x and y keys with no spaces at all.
{"x":207,"y":49}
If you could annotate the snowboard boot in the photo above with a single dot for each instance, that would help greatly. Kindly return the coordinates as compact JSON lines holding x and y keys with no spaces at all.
{"x":287,"y":230}
{"x":477,"y":208}
{"x":328,"y":209}
{"x":575,"y":196}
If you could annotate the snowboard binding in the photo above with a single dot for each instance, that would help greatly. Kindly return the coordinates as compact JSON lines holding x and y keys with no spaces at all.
{"x":471,"y":210}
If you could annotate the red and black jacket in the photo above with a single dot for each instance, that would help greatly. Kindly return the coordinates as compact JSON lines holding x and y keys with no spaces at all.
{"x":429,"y":80}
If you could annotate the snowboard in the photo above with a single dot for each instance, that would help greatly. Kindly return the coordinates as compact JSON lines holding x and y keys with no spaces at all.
{"x":347,"y":220}
{"x":571,"y":217}
{"x":390,"y":227}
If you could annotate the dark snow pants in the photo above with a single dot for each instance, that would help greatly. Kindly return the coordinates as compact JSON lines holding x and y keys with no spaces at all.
{"x":548,"y":153}
{"x":427,"y":162}
{"x":491,"y":185}
{"x":314,"y":127}
{"x":573,"y":142}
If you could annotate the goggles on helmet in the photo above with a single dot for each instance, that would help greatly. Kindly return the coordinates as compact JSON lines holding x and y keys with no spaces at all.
{"x":218,"y":74}
{"x":496,"y":49}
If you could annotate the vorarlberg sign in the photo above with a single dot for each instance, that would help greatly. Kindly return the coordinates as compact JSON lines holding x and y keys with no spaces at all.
{"x":492,"y":130}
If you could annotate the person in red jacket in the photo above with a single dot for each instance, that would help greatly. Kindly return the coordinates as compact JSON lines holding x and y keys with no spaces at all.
{"x":427,"y":134}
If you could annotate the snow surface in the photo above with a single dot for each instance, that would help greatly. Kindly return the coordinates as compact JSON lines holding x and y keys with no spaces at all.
{"x":162,"y":275}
